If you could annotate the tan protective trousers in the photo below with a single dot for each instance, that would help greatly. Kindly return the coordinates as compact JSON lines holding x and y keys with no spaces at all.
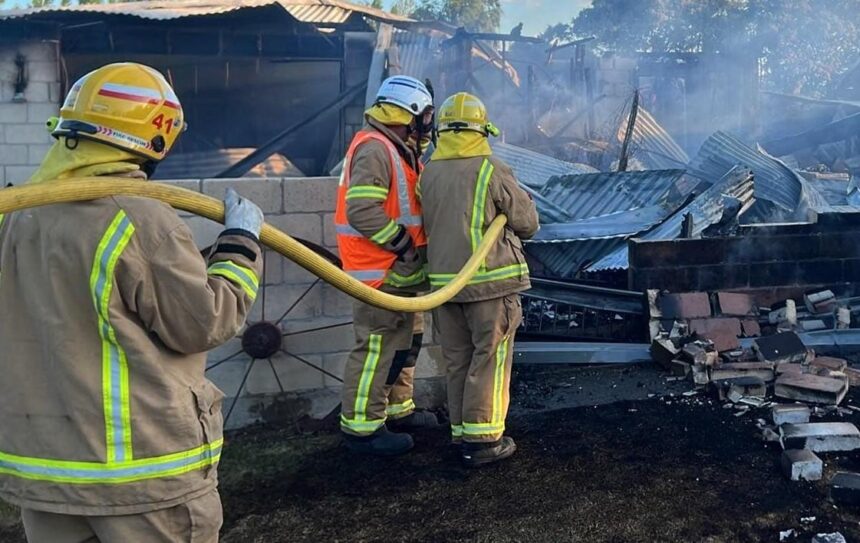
{"x":196,"y":521}
{"x":379,"y":373}
{"x":477,"y":342}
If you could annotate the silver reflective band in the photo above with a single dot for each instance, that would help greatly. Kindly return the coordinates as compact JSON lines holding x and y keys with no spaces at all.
{"x":347,"y":230}
{"x":366,"y":275}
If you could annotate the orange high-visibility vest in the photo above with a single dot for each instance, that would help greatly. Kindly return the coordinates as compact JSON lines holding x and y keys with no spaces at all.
{"x":362,"y":258}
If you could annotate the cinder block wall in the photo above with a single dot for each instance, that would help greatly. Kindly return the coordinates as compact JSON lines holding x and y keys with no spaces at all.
{"x":302,"y":207}
{"x":778,"y":259}
{"x":23,"y":137}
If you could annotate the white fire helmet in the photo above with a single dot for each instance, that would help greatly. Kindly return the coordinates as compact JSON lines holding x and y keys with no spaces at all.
{"x":405,"y":92}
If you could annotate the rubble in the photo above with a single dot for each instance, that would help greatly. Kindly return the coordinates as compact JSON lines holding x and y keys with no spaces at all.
{"x":834,"y":537}
{"x":845,"y":488}
{"x":780,"y":348}
{"x":811,"y":388}
{"x":820,"y":302}
{"x":790,"y":414}
{"x":801,"y":465}
{"x":820,"y":436}
{"x":761,"y":370}
{"x":746,"y":387}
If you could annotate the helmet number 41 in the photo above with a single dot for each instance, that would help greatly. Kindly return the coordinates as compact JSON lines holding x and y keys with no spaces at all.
{"x":159,"y":122}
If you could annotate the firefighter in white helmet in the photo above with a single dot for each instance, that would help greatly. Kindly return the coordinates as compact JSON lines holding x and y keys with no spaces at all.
{"x":110,"y":430}
{"x":381,"y":241}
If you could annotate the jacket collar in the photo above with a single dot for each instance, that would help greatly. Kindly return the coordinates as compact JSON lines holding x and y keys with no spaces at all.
{"x":405,"y":151}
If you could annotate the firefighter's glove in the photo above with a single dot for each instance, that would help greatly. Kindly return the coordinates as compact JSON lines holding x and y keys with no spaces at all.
{"x":402,"y":246}
{"x":242,"y":214}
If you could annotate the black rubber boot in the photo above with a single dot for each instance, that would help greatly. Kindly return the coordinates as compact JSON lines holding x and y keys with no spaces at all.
{"x":414,"y":421}
{"x":380,"y":443}
{"x":478,"y":454}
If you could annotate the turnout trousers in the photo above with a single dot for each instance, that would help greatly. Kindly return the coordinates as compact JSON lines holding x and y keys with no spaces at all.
{"x":196,"y":521}
{"x":379,"y":373}
{"x":477,"y":340}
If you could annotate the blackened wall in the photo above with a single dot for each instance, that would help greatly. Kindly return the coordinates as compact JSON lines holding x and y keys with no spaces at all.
{"x":826,"y":253}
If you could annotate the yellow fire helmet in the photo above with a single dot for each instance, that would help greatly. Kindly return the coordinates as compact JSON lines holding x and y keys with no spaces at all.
{"x":464,"y":111}
{"x":125,"y":105}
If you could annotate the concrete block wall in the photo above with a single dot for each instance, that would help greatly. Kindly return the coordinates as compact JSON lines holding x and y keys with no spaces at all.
{"x":23,"y":137}
{"x":763,"y":258}
{"x":302,"y":207}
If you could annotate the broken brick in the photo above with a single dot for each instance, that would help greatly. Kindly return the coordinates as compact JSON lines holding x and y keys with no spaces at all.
{"x":845,"y":488}
{"x":746,"y":387}
{"x":789,"y":367}
{"x":853,"y":376}
{"x":690,"y":305}
{"x":724,"y":332}
{"x":663,"y":351}
{"x":762,"y":370}
{"x":818,"y":298}
{"x":790,"y":414}
{"x":830,"y":363}
{"x":736,"y":305}
{"x":785,"y":347}
{"x":679,"y":368}
{"x":750,"y":328}
{"x":821,"y":436}
{"x":811,"y":388}
{"x":802,"y":465}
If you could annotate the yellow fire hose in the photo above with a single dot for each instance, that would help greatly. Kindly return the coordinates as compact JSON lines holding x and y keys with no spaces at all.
{"x":41,"y":194}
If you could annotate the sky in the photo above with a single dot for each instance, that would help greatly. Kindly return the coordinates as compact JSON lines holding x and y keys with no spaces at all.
{"x":535,"y":15}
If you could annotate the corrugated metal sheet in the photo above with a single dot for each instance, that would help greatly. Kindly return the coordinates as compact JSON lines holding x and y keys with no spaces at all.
{"x":595,"y":194}
{"x":707,"y":209}
{"x":652,"y":145}
{"x":613,"y":225}
{"x":318,"y":14}
{"x":774,"y":181}
{"x":600,"y":195}
{"x":310,"y":11}
{"x":201,"y":165}
{"x":532,"y":168}
{"x":418,"y":54}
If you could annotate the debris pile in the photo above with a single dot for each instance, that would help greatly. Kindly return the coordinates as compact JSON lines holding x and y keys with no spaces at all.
{"x":716,"y":341}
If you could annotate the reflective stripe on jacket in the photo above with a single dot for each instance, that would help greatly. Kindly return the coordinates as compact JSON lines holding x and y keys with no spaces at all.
{"x":460,"y":198}
{"x":104,"y":403}
{"x":378,"y":186}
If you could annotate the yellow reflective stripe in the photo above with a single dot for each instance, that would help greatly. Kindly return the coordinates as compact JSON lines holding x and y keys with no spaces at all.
{"x":361,"y":426}
{"x":362,"y":396}
{"x":76,"y":472}
{"x":483,"y":428}
{"x":367,"y":191}
{"x":386,"y":234}
{"x":115,"y":396}
{"x":457,"y":430}
{"x":1,"y":219}
{"x":398,"y":280}
{"x":244,"y":277}
{"x":499,"y":382}
{"x":480,"y":203}
{"x":498,"y":274}
{"x":400,"y":408}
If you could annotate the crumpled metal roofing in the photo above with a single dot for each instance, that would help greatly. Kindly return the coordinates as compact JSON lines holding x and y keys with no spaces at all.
{"x":612,"y":225}
{"x":309,"y":11}
{"x":774,"y":181}
{"x":707,"y":209}
{"x":652,"y":145}
{"x":600,"y":195}
{"x":535,"y":169}
{"x":594,"y":194}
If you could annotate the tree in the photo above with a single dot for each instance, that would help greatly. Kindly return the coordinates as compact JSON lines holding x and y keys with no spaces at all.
{"x":474,"y":15}
{"x":804,"y":46}
{"x":403,"y":7}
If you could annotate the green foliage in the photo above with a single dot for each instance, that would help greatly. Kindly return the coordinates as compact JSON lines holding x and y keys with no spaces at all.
{"x":804,"y":45}
{"x":474,"y":15}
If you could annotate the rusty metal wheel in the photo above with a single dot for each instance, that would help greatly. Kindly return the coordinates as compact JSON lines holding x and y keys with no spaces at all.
{"x":263,"y":339}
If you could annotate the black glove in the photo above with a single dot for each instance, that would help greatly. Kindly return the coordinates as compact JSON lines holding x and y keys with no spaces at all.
{"x":402,"y":246}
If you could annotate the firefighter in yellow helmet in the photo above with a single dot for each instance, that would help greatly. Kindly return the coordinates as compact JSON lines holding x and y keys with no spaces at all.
{"x":110,"y":430}
{"x":462,"y":189}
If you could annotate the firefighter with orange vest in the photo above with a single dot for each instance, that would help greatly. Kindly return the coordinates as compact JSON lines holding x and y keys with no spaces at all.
{"x":381,"y":240}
